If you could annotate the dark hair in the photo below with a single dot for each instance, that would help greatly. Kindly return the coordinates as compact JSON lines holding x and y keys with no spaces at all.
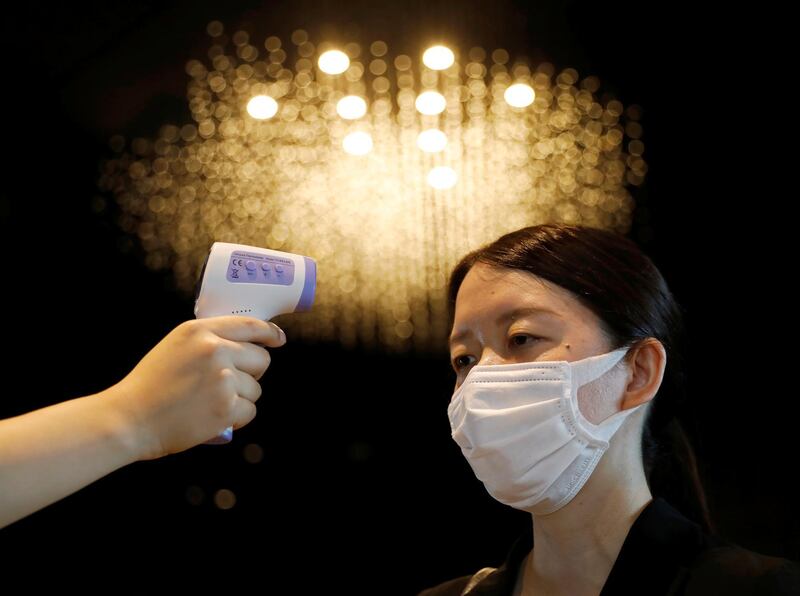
{"x":612,"y":277}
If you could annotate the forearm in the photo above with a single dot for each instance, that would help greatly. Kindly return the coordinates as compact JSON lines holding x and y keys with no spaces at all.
{"x":50,"y":453}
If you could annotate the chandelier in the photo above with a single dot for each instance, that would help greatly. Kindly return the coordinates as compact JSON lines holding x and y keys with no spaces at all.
{"x":385,"y":169}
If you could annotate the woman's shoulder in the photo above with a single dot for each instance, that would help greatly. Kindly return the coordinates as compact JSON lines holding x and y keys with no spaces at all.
{"x":734,"y":569}
{"x":664,"y":550}
{"x":451,"y":587}
{"x":725,"y":568}
{"x":459,"y":585}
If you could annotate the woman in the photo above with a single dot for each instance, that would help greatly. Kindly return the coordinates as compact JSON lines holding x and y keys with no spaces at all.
{"x":560,"y":343}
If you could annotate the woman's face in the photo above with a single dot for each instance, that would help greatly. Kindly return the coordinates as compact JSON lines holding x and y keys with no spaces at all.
{"x":489,"y":327}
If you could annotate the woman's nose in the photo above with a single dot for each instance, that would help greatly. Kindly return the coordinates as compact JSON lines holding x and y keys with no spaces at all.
{"x":491,"y":357}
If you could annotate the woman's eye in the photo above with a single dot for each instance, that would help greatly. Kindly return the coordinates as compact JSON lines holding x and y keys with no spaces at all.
{"x":456,"y":362}
{"x":523,"y":335}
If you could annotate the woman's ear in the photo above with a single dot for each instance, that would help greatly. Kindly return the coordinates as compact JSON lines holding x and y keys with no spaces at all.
{"x":647,"y":361}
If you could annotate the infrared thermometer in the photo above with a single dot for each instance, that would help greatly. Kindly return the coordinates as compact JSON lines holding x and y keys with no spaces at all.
{"x":237,"y":279}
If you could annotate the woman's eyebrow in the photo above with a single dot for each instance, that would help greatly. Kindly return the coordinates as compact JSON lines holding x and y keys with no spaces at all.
{"x":517,"y":312}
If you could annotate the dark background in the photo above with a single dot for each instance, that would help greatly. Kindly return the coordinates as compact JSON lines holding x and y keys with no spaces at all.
{"x":361,"y":486}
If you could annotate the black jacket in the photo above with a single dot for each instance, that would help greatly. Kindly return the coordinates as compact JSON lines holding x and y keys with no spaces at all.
{"x":665,"y":554}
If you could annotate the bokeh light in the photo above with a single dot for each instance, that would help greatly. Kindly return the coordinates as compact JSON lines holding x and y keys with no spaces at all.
{"x":438,"y":57}
{"x":253,"y":453}
{"x":442,"y":177}
{"x":351,"y":107}
{"x":333,"y":62}
{"x":224,"y":498}
{"x":357,"y":143}
{"x":519,"y":95}
{"x":432,"y":140}
{"x":437,"y":163}
{"x":430,"y":103}
{"x":260,"y":107}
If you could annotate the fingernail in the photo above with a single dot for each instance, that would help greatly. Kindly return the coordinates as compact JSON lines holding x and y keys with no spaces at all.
{"x":283,"y":335}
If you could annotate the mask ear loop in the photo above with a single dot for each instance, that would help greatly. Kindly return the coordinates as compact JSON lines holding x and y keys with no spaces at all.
{"x":592,"y":368}
{"x":606,"y":428}
{"x":588,"y":370}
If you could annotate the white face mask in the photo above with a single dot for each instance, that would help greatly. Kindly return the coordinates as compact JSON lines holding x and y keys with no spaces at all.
{"x":520,"y":429}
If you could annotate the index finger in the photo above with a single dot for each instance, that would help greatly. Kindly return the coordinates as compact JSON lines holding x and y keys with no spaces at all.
{"x":244,"y":328}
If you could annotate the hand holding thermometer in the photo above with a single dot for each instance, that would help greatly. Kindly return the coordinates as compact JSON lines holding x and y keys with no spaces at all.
{"x":254,"y":282}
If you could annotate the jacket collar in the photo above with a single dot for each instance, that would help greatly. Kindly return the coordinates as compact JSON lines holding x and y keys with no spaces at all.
{"x":656,"y":552}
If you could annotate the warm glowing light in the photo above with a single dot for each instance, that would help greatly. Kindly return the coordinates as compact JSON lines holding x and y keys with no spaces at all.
{"x":432,"y":140}
{"x":333,"y":62}
{"x":224,"y":498}
{"x":351,"y":107}
{"x":438,"y":57}
{"x":519,"y":95}
{"x":373,"y":174}
{"x":262,"y":107}
{"x":357,"y":143}
{"x":442,"y":177}
{"x":430,"y":103}
{"x":253,"y":453}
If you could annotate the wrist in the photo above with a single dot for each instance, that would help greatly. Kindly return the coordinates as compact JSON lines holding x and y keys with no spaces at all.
{"x":123,"y":427}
